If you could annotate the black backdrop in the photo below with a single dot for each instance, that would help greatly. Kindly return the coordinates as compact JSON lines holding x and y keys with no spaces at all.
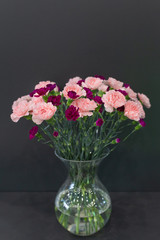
{"x":60,"y":39}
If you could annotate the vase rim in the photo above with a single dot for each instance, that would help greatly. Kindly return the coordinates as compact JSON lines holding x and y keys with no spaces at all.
{"x":71,"y":160}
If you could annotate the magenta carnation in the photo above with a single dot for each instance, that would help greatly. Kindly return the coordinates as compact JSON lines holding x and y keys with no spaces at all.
{"x":55,"y":134}
{"x":40,"y":92}
{"x":142,"y":122}
{"x":32,"y":132}
{"x":99,"y":76}
{"x":98,"y":100}
{"x":123,"y":92}
{"x":126,"y":85}
{"x":99,"y":122}
{"x":80,"y":82}
{"x":89,"y":93}
{"x":72,"y":94}
{"x":32,"y":93}
{"x":120,"y":109}
{"x":50,"y":86}
{"x":55,"y":100}
{"x":72,"y":113}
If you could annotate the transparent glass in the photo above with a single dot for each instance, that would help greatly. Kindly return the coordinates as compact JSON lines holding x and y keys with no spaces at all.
{"x":82,"y":204}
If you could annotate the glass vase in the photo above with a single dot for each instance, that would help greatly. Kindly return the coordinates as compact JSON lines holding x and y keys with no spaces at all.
{"x":82,"y":204}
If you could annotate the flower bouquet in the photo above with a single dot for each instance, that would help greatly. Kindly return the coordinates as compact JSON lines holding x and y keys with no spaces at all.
{"x":83,"y":123}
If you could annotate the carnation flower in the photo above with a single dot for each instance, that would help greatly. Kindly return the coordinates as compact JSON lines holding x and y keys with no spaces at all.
{"x":126,"y":85}
{"x":21,"y":108}
{"x":132,"y":95}
{"x":123,"y":92}
{"x":103,"y":87}
{"x":142,"y":122}
{"x":99,"y":122}
{"x":89,"y":93}
{"x":33,"y":102}
{"x":72,"y":94}
{"x":51,"y":87}
{"x":55,"y":100}
{"x":43,"y":111}
{"x":80,"y":82}
{"x":26,"y":97}
{"x":85,"y":106}
{"x":73,"y":87}
{"x":32,"y":132}
{"x":120,"y":109}
{"x":144,"y":99}
{"x":40,"y":92}
{"x":74,"y":80}
{"x":72,"y":113}
{"x":99,"y":76}
{"x":55,"y":134}
{"x":98,"y":99}
{"x":113,"y":99}
{"x":43,"y":84}
{"x":113,"y":83}
{"x":92,"y":82}
{"x":134,"y":110}
{"x":115,"y":141}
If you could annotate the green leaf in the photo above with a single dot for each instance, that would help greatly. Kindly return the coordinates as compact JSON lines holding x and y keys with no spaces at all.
{"x":97,"y":108}
{"x":29,"y":117}
{"x":100,"y":93}
{"x":45,"y":98}
{"x":94,"y":91}
{"x":127,"y":97}
{"x":69,"y":101}
{"x":123,"y":117}
{"x":53,"y":93}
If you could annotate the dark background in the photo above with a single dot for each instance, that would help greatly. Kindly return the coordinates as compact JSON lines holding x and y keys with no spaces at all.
{"x":57,"y":40}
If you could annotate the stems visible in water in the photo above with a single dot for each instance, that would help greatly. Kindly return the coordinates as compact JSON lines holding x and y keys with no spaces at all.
{"x":83,"y":200}
{"x":77,"y":220}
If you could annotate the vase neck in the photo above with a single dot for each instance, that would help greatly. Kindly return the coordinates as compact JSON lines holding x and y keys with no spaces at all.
{"x":82,"y":173}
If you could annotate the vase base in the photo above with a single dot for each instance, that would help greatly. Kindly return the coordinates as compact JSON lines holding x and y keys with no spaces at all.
{"x":87,"y":219}
{"x":86,"y":227}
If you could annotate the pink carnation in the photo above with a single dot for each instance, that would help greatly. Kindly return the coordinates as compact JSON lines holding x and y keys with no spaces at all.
{"x":43,"y":84}
{"x":34,"y":101}
{"x":103,"y":87}
{"x":84,"y":106}
{"x":131,"y":93}
{"x":73,"y":81}
{"x":134,"y":110}
{"x":20,"y":108}
{"x":75,"y":88}
{"x":43,"y":111}
{"x":92,"y":83}
{"x":113,"y":83}
{"x":144,"y":99}
{"x":26,"y":97}
{"x":113,"y":99}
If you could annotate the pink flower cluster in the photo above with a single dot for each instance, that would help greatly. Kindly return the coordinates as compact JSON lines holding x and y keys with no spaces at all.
{"x":115,"y":95}
{"x":35,"y":106}
{"x":85,"y":96}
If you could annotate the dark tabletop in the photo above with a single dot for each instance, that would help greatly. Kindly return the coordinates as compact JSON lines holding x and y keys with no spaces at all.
{"x":30,"y":216}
